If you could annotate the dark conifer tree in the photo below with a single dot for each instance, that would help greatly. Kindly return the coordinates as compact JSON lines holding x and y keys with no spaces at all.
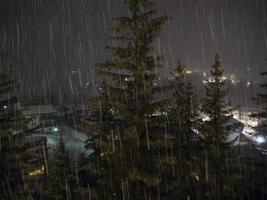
{"x":185,"y":119}
{"x":131,"y":147}
{"x":255,"y":168}
{"x":12,"y":164}
{"x":57,"y":184}
{"x":185,"y":108}
{"x":218,"y":174}
{"x":262,"y":96}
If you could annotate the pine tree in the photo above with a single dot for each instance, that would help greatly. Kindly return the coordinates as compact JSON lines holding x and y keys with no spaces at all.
{"x":57,"y":184}
{"x":255,"y":167}
{"x":185,"y":107}
{"x":264,"y":85}
{"x":184,"y":118}
{"x":12,"y":164}
{"x":127,"y":152}
{"x":262,"y":97}
{"x":218,"y":173}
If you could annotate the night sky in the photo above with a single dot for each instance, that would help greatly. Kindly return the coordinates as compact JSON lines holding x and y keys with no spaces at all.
{"x":47,"y":39}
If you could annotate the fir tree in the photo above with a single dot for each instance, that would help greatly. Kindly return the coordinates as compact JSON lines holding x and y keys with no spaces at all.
{"x":12,"y":167}
{"x":185,"y":119}
{"x":185,"y":107}
{"x":128,"y":154}
{"x":57,"y":184}
{"x":12,"y":163}
{"x":218,"y":173}
{"x":262,"y":97}
{"x":255,"y":168}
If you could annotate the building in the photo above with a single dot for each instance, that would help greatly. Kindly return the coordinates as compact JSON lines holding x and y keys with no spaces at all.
{"x":41,"y":116}
{"x":245,"y":115}
{"x":34,"y":148}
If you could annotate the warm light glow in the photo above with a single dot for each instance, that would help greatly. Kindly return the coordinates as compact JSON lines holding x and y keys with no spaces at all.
{"x":37,"y":172}
{"x":211,"y":80}
{"x":158,"y":113}
{"x":204,"y":119}
{"x":188,"y":71}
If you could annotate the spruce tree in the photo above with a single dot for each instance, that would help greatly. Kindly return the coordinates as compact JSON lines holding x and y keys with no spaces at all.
{"x":255,"y":167}
{"x":130,"y":149}
{"x":12,"y":166}
{"x":181,"y":122}
{"x":12,"y":163}
{"x":184,"y":117}
{"x":262,"y":96}
{"x":57,"y":185}
{"x":218,"y":178}
{"x":184,"y":107}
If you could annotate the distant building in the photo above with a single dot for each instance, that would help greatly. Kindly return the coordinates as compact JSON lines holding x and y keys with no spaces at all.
{"x":35,"y":147}
{"x":245,"y":115}
{"x":41,"y":116}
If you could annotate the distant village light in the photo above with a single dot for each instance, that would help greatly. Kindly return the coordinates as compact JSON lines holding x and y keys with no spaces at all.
{"x":55,"y":129}
{"x":206,"y":118}
{"x":37,"y":172}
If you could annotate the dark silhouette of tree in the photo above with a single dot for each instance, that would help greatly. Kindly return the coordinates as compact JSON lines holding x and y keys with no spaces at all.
{"x":131,"y":148}
{"x":57,"y":184}
{"x":12,"y":162}
{"x":219,"y":175}
{"x":183,"y":116}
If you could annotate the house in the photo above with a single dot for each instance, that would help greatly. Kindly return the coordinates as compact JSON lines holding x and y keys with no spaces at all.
{"x":245,"y":115}
{"x":34,"y":148}
{"x":41,"y":116}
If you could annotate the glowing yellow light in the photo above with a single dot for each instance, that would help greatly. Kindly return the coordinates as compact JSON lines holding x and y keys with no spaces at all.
{"x":188,"y":71}
{"x":37,"y":172}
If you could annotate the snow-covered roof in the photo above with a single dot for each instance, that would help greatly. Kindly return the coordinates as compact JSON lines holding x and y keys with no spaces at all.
{"x":251,"y":109}
{"x":39,"y":109}
{"x":32,"y":139}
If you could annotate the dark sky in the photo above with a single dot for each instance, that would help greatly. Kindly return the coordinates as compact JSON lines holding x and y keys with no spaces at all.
{"x":47,"y":39}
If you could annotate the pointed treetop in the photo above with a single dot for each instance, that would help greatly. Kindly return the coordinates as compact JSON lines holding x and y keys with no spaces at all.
{"x":180,"y":70}
{"x":216,"y":71}
{"x":138,"y":5}
{"x":217,"y":62}
{"x":62,"y":144}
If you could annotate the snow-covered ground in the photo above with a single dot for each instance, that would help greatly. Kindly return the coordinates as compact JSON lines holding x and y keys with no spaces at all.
{"x":257,"y":136}
{"x":74,"y":139}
